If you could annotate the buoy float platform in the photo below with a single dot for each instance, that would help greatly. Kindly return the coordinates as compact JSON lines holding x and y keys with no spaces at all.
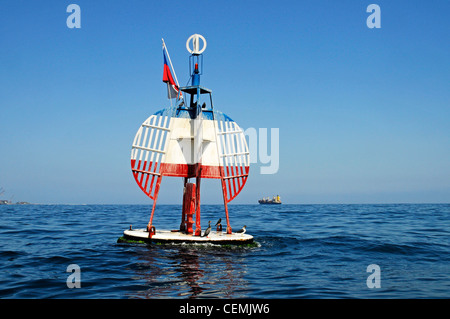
{"x":192,"y":140}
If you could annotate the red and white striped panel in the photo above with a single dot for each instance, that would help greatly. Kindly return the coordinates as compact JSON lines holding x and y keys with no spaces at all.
{"x":184,"y":147}
{"x":234,"y":157}
{"x":148,"y":151}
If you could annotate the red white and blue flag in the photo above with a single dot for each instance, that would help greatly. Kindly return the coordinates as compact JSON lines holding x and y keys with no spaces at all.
{"x":172,"y":87}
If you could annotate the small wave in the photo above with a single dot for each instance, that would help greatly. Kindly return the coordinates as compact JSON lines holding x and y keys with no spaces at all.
{"x":57,"y":260}
{"x":415,"y":249}
{"x":11,"y":254}
{"x":391,"y":248}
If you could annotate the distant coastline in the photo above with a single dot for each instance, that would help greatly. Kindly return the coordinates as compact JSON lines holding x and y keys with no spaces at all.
{"x":7,"y":202}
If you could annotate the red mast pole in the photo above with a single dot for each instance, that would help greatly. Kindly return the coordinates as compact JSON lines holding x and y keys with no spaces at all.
{"x":198,"y":227}
{"x":149,"y":226}
{"x":225,"y":203}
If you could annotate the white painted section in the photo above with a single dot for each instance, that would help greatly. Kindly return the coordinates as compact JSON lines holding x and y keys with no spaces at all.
{"x":184,"y":144}
{"x":173,"y":140}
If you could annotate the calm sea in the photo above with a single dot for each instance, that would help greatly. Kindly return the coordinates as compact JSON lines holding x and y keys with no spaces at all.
{"x":303,"y":251}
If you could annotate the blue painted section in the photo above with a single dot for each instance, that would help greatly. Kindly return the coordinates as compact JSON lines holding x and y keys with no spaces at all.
{"x":196,"y":78}
{"x":185,"y":113}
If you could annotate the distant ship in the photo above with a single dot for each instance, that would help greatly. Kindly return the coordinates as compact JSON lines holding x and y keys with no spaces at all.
{"x":267,"y":200}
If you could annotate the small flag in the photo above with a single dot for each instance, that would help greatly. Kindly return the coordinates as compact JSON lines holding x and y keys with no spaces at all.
{"x":172,"y":87}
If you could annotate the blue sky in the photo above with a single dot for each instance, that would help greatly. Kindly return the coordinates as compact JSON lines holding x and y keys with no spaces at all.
{"x":363,"y":113}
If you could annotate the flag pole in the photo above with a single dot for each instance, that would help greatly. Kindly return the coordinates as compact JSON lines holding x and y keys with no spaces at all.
{"x":171,"y":66}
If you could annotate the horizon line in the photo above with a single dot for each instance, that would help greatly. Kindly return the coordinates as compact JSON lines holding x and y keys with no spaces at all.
{"x":221,"y":204}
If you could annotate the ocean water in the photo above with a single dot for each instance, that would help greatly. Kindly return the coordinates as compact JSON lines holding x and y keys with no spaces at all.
{"x":302,"y":251}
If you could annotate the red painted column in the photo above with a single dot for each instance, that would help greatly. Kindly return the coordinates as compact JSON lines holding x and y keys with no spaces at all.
{"x":198,"y":226}
{"x":183,"y":208}
{"x":189,"y":206}
{"x":225,"y":203}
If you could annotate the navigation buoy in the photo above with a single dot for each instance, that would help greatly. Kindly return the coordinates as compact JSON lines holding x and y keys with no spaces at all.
{"x":192,"y":140}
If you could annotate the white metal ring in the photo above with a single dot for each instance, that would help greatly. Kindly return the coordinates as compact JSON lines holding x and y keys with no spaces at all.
{"x":195,"y":44}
